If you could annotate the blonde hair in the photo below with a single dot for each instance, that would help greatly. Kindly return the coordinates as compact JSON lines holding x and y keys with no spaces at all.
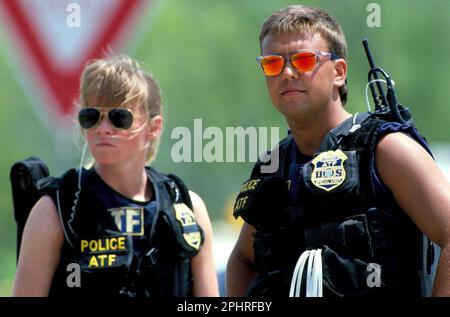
{"x":119,"y":81}
{"x":308,"y":20}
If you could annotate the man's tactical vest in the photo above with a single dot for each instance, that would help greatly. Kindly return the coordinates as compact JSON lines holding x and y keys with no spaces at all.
{"x":118,"y":251}
{"x":332,"y":202}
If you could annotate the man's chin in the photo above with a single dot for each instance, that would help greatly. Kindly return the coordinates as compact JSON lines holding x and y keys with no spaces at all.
{"x":292,"y":109}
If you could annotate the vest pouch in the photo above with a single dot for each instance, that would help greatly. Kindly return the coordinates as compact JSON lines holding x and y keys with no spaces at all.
{"x":269,"y":261}
{"x":347,"y":276}
{"x":267,"y":287}
{"x":352,"y":237}
{"x":178,"y":231}
{"x":104,"y":260}
{"x":268,"y":256}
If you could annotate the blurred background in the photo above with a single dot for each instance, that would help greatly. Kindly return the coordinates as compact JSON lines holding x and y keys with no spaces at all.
{"x":203,"y":54}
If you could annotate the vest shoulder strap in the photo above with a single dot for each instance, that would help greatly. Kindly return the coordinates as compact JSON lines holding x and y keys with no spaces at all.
{"x":64,"y":192}
{"x":279,"y":152}
{"x":175,"y":210}
{"x":177,"y":189}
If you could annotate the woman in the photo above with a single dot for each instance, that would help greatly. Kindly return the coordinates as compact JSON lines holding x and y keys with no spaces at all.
{"x":124,"y":227}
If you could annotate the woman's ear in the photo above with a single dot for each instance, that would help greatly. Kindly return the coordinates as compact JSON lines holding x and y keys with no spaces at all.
{"x":156,"y":126}
{"x":340,"y":72}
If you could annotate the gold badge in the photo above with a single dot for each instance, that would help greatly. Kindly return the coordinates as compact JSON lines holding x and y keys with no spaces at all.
{"x":186,"y":218}
{"x":328,"y":172}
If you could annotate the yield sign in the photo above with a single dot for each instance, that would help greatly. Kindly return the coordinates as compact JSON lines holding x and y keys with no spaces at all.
{"x":55,"y":38}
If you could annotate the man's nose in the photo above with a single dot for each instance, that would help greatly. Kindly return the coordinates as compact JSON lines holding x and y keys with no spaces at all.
{"x":289,"y":72}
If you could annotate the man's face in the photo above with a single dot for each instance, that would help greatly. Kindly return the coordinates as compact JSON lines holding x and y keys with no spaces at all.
{"x":295,"y":93}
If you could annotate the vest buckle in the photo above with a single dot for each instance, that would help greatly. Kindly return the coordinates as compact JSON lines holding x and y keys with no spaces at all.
{"x":152,"y":255}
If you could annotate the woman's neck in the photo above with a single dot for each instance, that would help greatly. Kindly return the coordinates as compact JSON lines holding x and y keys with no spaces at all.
{"x":127,"y":180}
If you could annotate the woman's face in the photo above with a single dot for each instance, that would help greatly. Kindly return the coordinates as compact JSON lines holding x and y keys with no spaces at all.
{"x":111,"y":146}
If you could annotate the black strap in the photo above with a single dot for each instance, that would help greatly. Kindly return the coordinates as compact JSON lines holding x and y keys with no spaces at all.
{"x":346,"y":128}
{"x":183,"y":190}
{"x":168,"y":194}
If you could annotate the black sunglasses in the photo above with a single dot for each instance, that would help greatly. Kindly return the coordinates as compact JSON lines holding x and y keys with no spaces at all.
{"x":120,"y":118}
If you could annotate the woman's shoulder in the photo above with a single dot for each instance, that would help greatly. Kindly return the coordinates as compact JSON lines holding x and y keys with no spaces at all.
{"x":44,"y":214}
{"x":199,"y":207}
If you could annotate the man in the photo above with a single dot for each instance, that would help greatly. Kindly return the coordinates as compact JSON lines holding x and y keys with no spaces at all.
{"x":353,"y":193}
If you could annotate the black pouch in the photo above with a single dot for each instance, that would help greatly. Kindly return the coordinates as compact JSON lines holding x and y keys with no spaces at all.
{"x":351,"y":237}
{"x":25,"y":176}
{"x":348,"y":276}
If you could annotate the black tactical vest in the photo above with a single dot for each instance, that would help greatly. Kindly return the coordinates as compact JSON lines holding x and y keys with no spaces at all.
{"x":330,"y":202}
{"x":123,"y":247}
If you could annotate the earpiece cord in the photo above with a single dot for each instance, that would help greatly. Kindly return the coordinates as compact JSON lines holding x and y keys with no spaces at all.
{"x":77,"y":194}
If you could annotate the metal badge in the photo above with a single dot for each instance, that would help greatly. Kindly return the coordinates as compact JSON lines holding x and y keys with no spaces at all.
{"x":186,"y":218}
{"x":329,"y":172}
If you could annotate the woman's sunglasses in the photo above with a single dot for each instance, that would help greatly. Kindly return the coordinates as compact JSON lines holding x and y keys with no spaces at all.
{"x":120,"y":118}
{"x":303,"y":61}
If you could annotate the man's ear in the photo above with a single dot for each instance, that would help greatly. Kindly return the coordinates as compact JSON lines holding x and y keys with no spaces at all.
{"x":340,"y":68}
{"x":156,"y":126}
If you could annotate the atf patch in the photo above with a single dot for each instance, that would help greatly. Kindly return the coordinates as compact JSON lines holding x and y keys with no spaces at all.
{"x":129,"y":220}
{"x":328,"y":171}
{"x":103,"y":252}
{"x":191,"y":232}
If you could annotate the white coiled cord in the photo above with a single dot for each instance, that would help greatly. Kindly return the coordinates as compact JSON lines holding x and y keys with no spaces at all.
{"x":367,"y":90}
{"x":77,"y":194}
{"x":314,"y":287}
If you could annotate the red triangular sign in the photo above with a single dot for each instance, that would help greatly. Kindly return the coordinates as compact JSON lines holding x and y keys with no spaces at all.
{"x":55,"y":39}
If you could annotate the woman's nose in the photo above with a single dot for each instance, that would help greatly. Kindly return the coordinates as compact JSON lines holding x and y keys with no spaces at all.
{"x":104,"y":126}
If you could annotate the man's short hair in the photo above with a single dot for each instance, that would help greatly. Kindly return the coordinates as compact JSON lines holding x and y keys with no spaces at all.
{"x":308,"y":20}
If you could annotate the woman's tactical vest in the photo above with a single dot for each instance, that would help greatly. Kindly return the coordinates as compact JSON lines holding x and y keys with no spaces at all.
{"x":114,"y":244}
{"x":370,"y":247}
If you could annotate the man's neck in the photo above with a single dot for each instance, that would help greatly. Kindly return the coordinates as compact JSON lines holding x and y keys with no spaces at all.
{"x":308,"y":133}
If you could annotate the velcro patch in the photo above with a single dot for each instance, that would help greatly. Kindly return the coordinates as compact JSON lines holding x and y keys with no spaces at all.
{"x":129,"y":220}
{"x":103,"y":252}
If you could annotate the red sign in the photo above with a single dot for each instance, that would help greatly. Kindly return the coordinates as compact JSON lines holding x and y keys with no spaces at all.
{"x":55,"y":38}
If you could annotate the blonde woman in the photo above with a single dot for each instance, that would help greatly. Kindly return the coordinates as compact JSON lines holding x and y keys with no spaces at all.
{"x":119,"y":228}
